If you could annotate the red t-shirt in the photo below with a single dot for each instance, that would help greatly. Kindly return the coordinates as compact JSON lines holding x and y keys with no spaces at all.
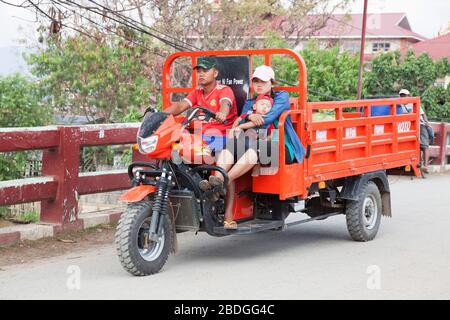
{"x":212,"y":101}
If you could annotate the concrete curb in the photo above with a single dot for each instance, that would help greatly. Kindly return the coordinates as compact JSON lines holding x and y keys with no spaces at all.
{"x":13,"y":234}
{"x":438,"y":168}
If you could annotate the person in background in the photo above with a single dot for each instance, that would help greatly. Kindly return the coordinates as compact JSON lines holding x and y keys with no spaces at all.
{"x":426,"y":131}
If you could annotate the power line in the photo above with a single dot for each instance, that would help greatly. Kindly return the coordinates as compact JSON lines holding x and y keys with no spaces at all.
{"x":280,"y":80}
{"x":113,"y":19}
{"x":144,"y":25}
{"x":116,"y":33}
{"x":126,"y":21}
{"x":15,"y":5}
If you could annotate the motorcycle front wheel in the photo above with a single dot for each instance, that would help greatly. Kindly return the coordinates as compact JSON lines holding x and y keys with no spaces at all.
{"x":138,"y":254}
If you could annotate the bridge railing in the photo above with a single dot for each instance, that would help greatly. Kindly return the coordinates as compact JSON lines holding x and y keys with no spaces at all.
{"x":61,"y":184}
{"x":440,"y":150}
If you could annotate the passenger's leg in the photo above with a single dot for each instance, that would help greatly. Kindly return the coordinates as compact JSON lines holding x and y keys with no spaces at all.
{"x":243,"y":165}
{"x":225,"y":160}
{"x":229,"y":201}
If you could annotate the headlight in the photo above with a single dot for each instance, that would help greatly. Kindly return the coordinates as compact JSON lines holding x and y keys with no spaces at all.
{"x":147,"y":145}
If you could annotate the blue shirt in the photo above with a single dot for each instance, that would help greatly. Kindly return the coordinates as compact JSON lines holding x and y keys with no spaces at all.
{"x":281,"y":104}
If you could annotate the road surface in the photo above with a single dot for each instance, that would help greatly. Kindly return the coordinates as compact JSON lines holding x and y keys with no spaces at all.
{"x":409,"y":259}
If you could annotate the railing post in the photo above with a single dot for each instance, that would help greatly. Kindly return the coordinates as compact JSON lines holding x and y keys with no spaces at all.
{"x":443,"y":146}
{"x":63,"y":163}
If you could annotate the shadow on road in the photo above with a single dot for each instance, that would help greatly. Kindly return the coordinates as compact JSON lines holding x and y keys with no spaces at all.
{"x":317,"y":235}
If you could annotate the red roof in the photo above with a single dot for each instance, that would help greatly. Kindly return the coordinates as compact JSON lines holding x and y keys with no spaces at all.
{"x":379,"y":25}
{"x":437,"y":48}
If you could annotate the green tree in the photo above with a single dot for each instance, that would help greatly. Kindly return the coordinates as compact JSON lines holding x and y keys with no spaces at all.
{"x":20,"y":103}
{"x":20,"y":106}
{"x":436,"y":101}
{"x":384,"y":75}
{"x":390,"y":73}
{"x":331,"y":74}
{"x":99,"y":79}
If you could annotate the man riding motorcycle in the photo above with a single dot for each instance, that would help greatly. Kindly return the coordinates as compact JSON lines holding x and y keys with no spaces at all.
{"x":213,"y":96}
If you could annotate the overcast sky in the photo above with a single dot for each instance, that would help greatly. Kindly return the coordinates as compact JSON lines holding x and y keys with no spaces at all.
{"x":426,"y":17}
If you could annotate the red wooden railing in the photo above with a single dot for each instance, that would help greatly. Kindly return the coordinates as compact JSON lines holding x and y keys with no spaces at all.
{"x":61,"y":183}
{"x":441,"y":148}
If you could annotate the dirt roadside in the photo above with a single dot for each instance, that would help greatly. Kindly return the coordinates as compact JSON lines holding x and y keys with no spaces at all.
{"x":29,"y":251}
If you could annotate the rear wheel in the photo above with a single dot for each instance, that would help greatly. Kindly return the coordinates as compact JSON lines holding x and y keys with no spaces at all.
{"x":364,"y":215}
{"x":138,"y":254}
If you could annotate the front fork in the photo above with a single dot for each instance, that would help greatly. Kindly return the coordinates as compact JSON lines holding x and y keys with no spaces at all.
{"x":160,"y":203}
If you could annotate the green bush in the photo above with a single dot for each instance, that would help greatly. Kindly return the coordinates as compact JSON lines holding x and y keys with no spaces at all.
{"x":390,"y":73}
{"x":20,"y":106}
{"x":436,"y":101}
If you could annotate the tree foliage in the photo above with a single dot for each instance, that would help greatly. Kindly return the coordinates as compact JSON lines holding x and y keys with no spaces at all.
{"x":20,"y":106}
{"x":390,"y":73}
{"x":331,"y":75}
{"x":98,"y":79}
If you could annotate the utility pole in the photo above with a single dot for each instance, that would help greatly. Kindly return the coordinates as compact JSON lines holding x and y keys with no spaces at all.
{"x":361,"y":51}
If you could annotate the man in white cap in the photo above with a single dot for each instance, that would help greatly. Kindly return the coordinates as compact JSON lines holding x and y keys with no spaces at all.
{"x":426,"y":131}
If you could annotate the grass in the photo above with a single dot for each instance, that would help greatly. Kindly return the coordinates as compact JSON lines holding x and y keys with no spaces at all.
{"x":322,"y":116}
{"x":28,"y":216}
{"x":25,"y":217}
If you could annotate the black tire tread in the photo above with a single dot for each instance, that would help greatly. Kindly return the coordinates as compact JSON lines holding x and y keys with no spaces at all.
{"x":353,"y":214}
{"x":123,"y":235}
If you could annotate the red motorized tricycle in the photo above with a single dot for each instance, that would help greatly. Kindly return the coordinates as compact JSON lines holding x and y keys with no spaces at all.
{"x":344,"y":171}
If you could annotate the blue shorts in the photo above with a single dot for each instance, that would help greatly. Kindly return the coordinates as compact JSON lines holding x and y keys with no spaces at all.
{"x":216,"y":143}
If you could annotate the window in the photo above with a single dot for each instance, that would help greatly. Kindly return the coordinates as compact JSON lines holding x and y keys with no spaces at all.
{"x":352,"y":47}
{"x":380,"y":46}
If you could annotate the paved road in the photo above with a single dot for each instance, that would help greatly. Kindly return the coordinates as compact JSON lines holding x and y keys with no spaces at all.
{"x":409,"y":259}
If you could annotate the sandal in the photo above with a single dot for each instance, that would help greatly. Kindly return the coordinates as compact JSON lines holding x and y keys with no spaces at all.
{"x":230,"y":224}
{"x":217,"y":182}
{"x":204,"y":185}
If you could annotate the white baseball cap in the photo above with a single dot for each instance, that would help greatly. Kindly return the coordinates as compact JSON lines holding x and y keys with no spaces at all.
{"x":404,"y":91}
{"x":265,"y":73}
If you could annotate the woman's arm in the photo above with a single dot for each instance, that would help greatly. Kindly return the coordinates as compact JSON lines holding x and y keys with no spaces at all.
{"x":281,"y":104}
{"x":247,"y":125}
{"x":236,"y":122}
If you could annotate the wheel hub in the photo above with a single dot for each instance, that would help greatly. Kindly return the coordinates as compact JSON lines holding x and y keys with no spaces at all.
{"x":149,"y":250}
{"x":370,"y":212}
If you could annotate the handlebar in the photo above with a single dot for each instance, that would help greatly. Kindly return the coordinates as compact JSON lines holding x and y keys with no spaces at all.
{"x":207,"y":113}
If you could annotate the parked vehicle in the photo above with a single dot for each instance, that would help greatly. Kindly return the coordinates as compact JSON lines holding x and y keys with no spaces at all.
{"x":344,"y":171}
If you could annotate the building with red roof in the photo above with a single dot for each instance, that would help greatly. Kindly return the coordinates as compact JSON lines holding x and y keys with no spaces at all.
{"x":384,"y":32}
{"x":437,"y":48}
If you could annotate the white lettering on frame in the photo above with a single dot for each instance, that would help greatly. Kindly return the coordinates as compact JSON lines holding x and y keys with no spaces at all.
{"x":350,"y":132}
{"x":404,"y":126}
{"x":321,"y":135}
{"x":378,"y":129}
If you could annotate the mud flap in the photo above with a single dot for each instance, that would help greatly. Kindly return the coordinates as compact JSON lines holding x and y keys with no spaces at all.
{"x":137,"y":193}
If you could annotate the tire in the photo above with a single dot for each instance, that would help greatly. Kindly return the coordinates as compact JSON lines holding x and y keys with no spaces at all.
{"x":131,"y":242}
{"x":364,"y":215}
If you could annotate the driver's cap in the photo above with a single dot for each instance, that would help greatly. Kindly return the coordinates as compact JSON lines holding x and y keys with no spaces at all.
{"x":265,"y":73}
{"x":206,"y":63}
